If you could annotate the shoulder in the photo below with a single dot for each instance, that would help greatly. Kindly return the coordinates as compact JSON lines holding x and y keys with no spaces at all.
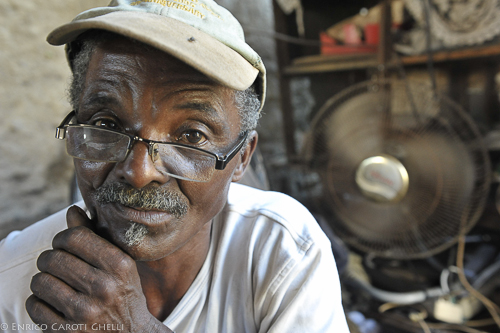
{"x":18,"y":254}
{"x":249,"y":198}
{"x":275,"y":233}
{"x":278,"y":210}
{"x":287,"y":259}
{"x":23,"y":245}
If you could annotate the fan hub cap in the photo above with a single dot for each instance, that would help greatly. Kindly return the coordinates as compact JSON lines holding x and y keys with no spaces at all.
{"x":382,"y":178}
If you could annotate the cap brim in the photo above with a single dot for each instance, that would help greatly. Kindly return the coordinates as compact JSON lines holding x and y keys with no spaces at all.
{"x":196,"y":48}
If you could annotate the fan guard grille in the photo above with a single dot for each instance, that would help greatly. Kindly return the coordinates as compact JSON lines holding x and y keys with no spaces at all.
{"x":436,"y":142}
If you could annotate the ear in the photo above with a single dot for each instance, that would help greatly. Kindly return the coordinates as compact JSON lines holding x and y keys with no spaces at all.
{"x":245,"y":157}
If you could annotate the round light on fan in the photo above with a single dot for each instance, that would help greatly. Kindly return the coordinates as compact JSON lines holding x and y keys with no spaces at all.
{"x":382,"y":178}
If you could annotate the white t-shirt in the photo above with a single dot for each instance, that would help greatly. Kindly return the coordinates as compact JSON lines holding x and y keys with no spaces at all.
{"x":270,"y":268}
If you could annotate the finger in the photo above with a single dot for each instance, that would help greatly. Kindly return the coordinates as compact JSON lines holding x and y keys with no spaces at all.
{"x":42,"y":313}
{"x":93,"y":249}
{"x":56,"y":293}
{"x":75,"y":216}
{"x":72,"y":270}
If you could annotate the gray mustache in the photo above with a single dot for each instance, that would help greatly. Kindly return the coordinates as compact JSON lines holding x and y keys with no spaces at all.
{"x":148,"y":198}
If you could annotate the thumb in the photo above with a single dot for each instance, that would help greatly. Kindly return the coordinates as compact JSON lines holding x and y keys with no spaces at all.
{"x":75,"y":216}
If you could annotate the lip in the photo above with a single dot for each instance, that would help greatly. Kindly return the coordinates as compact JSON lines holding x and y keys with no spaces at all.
{"x":147,"y":217}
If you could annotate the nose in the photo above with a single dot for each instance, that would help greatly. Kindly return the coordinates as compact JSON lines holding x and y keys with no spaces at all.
{"x":139,"y":167}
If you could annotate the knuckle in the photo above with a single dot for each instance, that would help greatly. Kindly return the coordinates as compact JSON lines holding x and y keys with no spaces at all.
{"x":103,"y":288}
{"x":106,"y":288}
{"x":94,"y":284}
{"x":123,"y":263}
{"x":88,"y":312}
{"x":110,"y":289}
{"x":81,"y":311}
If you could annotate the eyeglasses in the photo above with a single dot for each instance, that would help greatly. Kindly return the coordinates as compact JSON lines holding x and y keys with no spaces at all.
{"x":94,"y":143}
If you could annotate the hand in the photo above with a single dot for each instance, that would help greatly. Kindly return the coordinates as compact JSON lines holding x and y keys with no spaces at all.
{"x":87,"y":284}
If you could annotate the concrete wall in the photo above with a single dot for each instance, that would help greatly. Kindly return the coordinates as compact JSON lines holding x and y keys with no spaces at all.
{"x":35,"y":172}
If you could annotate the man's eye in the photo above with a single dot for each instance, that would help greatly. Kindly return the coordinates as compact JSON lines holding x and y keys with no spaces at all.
{"x":193,"y":137}
{"x":106,"y":123}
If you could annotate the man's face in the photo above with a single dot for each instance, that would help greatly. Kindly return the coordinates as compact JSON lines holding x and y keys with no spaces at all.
{"x":154,"y":96}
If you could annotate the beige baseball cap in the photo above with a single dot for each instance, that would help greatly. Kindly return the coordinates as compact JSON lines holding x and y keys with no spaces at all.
{"x":201,"y":33}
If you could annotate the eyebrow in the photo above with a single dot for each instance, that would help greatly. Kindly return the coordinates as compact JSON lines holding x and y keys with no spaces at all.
{"x":100,"y":99}
{"x":199,"y":106}
{"x":208,"y":112}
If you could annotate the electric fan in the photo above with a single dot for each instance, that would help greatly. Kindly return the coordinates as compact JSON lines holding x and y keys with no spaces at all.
{"x":402,"y":169}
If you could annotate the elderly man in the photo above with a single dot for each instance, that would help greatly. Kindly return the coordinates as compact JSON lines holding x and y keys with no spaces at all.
{"x":166,"y":98}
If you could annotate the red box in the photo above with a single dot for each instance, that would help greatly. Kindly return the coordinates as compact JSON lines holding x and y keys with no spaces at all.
{"x":372,"y":34}
{"x":330,"y":46}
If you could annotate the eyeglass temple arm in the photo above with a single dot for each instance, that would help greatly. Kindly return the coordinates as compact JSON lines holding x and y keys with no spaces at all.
{"x":61,"y":129}
{"x":222,"y":161}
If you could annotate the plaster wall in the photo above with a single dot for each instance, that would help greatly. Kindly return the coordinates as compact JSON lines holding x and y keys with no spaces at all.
{"x":34,"y":170}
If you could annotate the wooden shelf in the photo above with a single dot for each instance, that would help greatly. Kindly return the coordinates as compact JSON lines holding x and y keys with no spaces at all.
{"x":335,"y":63}
{"x":331,"y":63}
{"x":457,"y":54}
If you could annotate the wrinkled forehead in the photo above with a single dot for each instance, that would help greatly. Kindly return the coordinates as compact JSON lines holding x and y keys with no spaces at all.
{"x":120,"y":68}
{"x":112,"y":48}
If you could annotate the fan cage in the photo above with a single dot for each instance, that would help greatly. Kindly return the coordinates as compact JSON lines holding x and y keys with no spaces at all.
{"x":429,"y":219}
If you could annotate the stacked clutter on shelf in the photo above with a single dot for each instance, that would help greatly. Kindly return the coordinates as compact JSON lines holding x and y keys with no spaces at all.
{"x":360,"y":33}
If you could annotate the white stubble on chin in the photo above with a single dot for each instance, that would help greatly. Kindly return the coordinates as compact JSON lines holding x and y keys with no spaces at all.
{"x":135,"y":233}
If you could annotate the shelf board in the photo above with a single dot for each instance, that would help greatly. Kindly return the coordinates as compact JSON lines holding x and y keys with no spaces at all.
{"x":469,"y":53}
{"x":331,"y":63}
{"x":335,"y":63}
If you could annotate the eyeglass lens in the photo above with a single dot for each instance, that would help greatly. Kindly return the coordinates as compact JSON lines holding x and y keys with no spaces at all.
{"x":101,"y":145}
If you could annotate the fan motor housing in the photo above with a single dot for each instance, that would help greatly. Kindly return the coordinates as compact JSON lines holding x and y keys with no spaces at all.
{"x":382,"y":178}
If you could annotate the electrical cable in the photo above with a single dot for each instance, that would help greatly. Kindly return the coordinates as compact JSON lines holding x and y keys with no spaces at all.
{"x":462,"y":328}
{"x":424,"y":326}
{"x":480,"y":322}
{"x":486,"y":274}
{"x":287,"y":38}
{"x":399,"y":298}
{"x":455,"y":328}
{"x":492,"y":308}
{"x":418,"y":316}
{"x":302,"y":41}
{"x":443,"y":280}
